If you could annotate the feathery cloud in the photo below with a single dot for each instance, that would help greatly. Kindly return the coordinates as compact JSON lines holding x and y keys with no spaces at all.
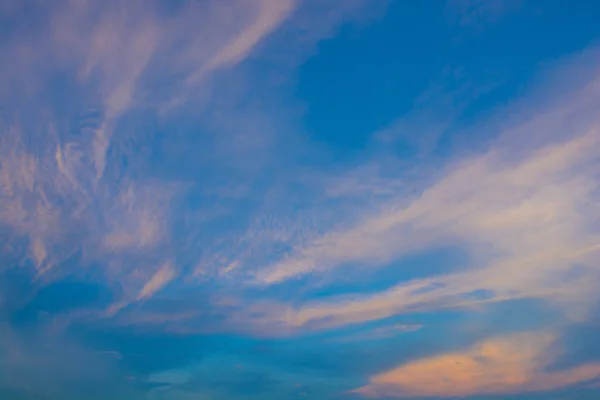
{"x":525,"y":212}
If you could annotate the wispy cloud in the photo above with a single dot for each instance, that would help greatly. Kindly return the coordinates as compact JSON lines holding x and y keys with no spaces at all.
{"x":525,"y":224}
{"x":145,"y":150}
{"x":164,"y":275}
{"x":482,"y":198}
{"x":271,"y":14}
{"x":478,"y":12}
{"x":136,"y":218}
{"x":382,"y":332}
{"x":91,"y":193}
{"x":524,"y":212}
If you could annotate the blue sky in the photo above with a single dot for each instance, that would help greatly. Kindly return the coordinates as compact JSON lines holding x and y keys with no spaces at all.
{"x":280,"y":199}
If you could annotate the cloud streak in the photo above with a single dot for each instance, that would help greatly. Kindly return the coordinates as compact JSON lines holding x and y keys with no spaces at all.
{"x":526,"y":216}
{"x":164,"y":275}
{"x":270,"y":15}
{"x":526,"y":225}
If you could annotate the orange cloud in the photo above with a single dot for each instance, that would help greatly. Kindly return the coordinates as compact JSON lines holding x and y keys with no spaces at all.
{"x":502,"y":365}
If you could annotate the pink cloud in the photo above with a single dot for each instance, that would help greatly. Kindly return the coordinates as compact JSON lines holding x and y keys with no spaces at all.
{"x":160,"y":278}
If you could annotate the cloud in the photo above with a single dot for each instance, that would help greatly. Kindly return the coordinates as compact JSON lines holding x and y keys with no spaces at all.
{"x":26,"y":208}
{"x":499,"y":365}
{"x":382,"y":332}
{"x":482,"y":199}
{"x":270,"y":15}
{"x":478,"y":12}
{"x":136,"y":218}
{"x":525,"y":223}
{"x":524,"y":211}
{"x":47,"y":201}
{"x":96,"y":180}
{"x":128,"y":159}
{"x":164,"y":275}
{"x":102,"y":183}
{"x":115,"y":51}
{"x":77,"y":180}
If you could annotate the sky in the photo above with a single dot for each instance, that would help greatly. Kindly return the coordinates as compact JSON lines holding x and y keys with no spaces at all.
{"x":299,"y":199}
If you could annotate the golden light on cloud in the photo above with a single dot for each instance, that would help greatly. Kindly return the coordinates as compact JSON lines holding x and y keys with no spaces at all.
{"x":513,"y":363}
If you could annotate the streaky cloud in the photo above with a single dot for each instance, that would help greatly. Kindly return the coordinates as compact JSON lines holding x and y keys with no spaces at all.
{"x":523,"y":214}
